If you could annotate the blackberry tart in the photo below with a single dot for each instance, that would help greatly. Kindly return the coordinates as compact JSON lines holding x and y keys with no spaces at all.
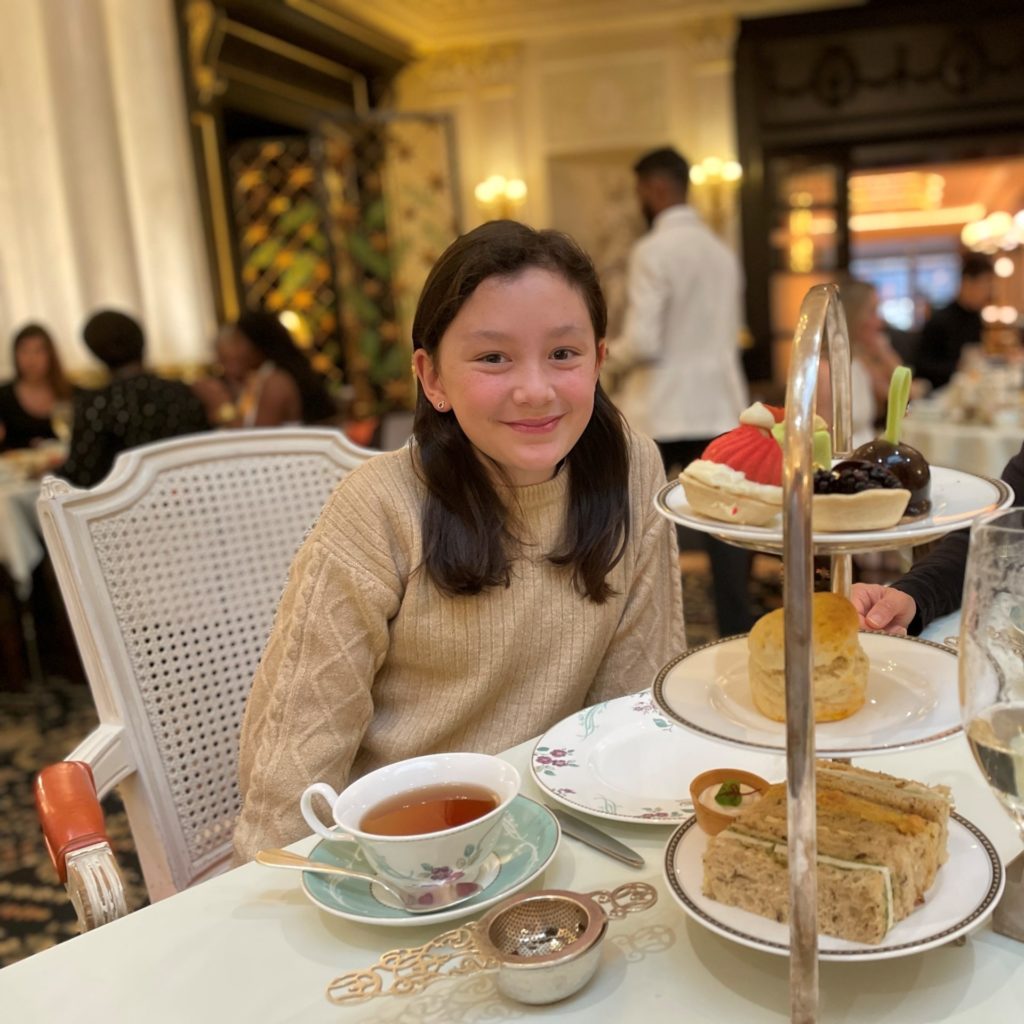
{"x":857,"y":495}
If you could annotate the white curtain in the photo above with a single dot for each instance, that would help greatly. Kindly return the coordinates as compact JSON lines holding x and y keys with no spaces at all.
{"x":98,"y":203}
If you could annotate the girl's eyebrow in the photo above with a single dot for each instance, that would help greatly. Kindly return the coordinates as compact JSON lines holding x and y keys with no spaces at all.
{"x":488,"y":334}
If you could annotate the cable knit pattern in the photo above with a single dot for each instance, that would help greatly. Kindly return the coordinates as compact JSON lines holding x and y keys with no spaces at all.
{"x":368,"y":663}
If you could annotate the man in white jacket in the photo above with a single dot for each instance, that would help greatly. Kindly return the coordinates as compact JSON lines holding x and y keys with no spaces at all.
{"x":678,"y":356}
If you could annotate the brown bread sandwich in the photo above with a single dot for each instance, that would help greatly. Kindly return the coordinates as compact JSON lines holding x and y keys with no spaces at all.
{"x":881,"y":841}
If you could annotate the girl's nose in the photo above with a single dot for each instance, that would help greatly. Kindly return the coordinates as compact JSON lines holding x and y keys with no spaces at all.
{"x":532,"y":387}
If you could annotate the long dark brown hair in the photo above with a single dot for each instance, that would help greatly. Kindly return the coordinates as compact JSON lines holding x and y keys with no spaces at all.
{"x":468,"y":540}
{"x":55,"y":372}
{"x":274,"y":341}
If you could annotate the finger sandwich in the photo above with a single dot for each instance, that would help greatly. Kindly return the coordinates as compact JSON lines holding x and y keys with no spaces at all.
{"x":881,"y":841}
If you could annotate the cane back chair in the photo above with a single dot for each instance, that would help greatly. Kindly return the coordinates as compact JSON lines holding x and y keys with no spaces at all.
{"x":171,"y":569}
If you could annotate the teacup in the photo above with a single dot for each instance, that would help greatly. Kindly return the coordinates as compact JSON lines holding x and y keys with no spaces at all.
{"x":425,"y":793}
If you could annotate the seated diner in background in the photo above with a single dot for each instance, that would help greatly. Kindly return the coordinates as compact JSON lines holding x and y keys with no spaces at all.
{"x":872,"y":359}
{"x":496,"y":574}
{"x":934,"y":585}
{"x":135,"y":407}
{"x":265,"y":379}
{"x":30,"y":402}
{"x":951,"y":328}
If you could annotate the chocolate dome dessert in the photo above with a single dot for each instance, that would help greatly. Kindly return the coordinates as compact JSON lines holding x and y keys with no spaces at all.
{"x":907,"y":464}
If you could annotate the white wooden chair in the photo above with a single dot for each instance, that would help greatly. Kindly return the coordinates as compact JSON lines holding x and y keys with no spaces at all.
{"x":171,"y":569}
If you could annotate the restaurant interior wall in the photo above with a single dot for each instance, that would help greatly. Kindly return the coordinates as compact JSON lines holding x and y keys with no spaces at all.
{"x":570,"y":116}
{"x":97,"y":194}
{"x":307,"y":188}
{"x":826,"y":96}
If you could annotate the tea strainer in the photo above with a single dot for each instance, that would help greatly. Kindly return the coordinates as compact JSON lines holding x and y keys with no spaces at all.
{"x":544,"y":946}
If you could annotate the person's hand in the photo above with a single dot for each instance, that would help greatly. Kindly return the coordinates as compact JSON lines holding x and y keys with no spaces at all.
{"x":883,"y":608}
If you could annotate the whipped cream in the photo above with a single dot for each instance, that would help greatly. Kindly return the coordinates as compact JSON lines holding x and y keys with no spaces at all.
{"x":717,"y":474}
{"x":748,"y":796}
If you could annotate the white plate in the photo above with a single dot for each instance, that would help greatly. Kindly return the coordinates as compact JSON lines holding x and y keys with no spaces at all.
{"x":529,"y":839}
{"x":625,"y":761}
{"x":911,"y":698}
{"x":965,"y":891}
{"x":957,"y":499}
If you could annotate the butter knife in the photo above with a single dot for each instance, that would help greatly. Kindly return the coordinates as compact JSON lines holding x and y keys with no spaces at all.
{"x":593,"y":836}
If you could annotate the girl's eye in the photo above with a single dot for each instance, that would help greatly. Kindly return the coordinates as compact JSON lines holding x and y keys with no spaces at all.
{"x":492,"y":357}
{"x":564,"y":353}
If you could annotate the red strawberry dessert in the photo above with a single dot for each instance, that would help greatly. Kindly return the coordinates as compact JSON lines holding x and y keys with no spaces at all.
{"x":738,"y":478}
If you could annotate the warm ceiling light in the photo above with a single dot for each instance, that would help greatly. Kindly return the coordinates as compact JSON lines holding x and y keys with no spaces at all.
{"x":290,"y":320}
{"x":990,"y":314}
{"x":713,"y":169}
{"x":996,"y":231}
{"x":896,"y":191}
{"x":489,"y":190}
{"x":1003,"y":267}
{"x":891,"y":221}
{"x":500,"y":196}
{"x":515,"y":189}
{"x":1008,"y":314}
{"x":731,"y":171}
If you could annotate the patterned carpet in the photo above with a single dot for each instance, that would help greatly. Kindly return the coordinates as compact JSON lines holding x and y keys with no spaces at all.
{"x":43,"y":723}
{"x":37,"y":727}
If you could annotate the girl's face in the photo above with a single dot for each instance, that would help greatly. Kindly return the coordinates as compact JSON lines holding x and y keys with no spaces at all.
{"x":518,"y":368}
{"x":33,"y":358}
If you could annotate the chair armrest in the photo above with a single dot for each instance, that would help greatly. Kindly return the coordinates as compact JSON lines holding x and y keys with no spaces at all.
{"x":69,"y":811}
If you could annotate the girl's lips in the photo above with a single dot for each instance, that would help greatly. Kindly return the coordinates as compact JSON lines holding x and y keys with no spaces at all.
{"x":542,"y":426}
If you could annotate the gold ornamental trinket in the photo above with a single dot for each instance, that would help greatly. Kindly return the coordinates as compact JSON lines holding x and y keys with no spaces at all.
{"x":544,"y":945}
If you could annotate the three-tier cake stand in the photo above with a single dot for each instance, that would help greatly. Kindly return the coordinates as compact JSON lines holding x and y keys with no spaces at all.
{"x":821,"y":322}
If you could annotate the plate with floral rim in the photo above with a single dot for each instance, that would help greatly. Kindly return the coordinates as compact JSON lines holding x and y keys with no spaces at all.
{"x":626,"y":761}
{"x":529,"y":838}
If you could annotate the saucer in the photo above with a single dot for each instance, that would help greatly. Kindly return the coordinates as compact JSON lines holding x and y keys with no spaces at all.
{"x":529,"y":839}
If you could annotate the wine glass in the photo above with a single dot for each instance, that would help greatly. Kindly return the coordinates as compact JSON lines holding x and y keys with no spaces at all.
{"x":992,"y":666}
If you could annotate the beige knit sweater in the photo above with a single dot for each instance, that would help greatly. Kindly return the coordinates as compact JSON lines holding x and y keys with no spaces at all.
{"x":369,"y":663}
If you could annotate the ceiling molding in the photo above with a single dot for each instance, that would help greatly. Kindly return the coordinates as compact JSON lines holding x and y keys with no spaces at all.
{"x":430,"y":25}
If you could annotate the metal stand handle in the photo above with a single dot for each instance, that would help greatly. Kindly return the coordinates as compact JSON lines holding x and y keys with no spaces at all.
{"x":820,"y":314}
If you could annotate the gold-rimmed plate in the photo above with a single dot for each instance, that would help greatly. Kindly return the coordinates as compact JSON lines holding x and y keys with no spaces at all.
{"x":964,"y":893}
{"x":911,"y":698}
{"x":958,"y":498}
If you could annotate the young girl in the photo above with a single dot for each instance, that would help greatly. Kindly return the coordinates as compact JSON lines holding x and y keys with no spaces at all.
{"x":502,"y":571}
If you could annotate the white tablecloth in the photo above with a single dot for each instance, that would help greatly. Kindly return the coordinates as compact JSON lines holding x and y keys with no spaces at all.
{"x":21,"y":547}
{"x":247,"y":946}
{"x":973,"y":448}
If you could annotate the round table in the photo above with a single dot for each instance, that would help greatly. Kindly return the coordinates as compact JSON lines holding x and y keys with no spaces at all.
{"x":971,"y":447}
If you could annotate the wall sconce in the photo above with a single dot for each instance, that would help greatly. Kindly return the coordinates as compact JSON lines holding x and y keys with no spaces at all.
{"x":499,"y":197}
{"x":715,"y":181}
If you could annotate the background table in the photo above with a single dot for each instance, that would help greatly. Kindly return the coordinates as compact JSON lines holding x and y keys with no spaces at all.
{"x":971,"y":447}
{"x":249,"y":946}
{"x":21,"y":547}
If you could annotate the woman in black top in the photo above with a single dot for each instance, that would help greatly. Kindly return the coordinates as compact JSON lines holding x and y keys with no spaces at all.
{"x":28,"y":403}
{"x":934,"y":586}
{"x":134,"y":408}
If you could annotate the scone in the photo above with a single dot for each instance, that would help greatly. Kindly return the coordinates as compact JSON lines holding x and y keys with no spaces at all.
{"x":840,"y":674}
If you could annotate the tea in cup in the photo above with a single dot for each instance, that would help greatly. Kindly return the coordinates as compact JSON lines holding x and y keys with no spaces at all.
{"x":424,"y":823}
